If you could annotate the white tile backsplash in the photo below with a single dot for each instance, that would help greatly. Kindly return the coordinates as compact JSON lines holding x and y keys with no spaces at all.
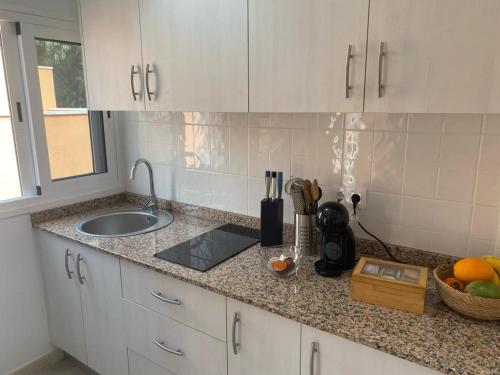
{"x":432,"y":180}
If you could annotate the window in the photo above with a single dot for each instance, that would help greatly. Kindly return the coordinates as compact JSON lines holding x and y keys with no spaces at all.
{"x":75,"y":137}
{"x":10,"y":184}
{"x":50,"y":143}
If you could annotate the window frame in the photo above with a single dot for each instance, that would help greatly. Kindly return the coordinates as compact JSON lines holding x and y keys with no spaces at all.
{"x":35,"y":166}
{"x":19,"y":119}
{"x":77,"y":184}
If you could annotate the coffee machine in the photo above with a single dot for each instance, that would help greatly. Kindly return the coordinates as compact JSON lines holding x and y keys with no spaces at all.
{"x":337,"y":244}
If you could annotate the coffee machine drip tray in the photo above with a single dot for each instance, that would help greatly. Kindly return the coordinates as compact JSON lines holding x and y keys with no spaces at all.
{"x":209,"y":249}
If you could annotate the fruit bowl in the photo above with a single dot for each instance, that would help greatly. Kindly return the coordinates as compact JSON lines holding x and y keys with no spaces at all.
{"x":463,"y":303}
{"x":282,"y":261}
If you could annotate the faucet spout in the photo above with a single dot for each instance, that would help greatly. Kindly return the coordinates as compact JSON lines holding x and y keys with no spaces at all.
{"x":153,"y":201}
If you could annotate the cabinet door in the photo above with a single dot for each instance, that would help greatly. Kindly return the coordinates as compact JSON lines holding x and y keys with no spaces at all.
{"x":335,"y":355}
{"x":196,"y":51}
{"x":112,"y":48}
{"x":299,"y":55}
{"x":260,"y":342}
{"x":438,"y":56}
{"x":62,"y":295}
{"x":139,"y":365}
{"x":102,"y":313}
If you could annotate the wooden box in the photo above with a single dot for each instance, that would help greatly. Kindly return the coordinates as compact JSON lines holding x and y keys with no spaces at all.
{"x":396,"y":285}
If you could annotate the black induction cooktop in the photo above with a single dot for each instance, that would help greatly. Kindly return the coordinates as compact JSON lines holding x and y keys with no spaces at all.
{"x":209,"y":249}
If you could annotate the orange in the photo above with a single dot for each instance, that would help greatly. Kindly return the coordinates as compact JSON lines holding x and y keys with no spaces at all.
{"x":472,"y":269}
{"x":280,"y":265}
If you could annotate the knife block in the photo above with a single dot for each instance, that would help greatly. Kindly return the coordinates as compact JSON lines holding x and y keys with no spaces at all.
{"x":271,"y":222}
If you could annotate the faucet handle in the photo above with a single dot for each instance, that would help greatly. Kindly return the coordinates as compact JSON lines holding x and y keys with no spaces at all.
{"x":150,"y":205}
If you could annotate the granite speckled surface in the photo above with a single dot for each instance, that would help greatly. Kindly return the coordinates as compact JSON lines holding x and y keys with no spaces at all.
{"x":440,"y":338}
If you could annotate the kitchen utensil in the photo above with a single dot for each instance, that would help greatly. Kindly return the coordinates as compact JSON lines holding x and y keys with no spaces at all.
{"x":280,"y":184}
{"x":315,"y":194}
{"x":306,"y":234}
{"x":271,"y":222}
{"x":289,"y":184}
{"x":298,"y":199}
{"x":305,"y":186}
{"x":268,"y":183}
{"x":273,"y":185}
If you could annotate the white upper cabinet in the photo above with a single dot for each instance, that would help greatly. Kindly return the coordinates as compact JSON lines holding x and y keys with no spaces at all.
{"x":112,"y":48}
{"x":437,"y":56}
{"x":299,"y":55}
{"x":196,"y":52}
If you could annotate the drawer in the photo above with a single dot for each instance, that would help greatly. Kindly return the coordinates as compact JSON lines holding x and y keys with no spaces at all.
{"x":178,"y":348}
{"x":196,"y":307}
{"x":138,"y":365}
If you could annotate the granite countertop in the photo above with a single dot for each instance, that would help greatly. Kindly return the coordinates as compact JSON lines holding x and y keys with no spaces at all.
{"x":440,"y":338}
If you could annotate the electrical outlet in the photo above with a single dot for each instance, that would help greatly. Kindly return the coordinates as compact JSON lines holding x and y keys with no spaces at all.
{"x":348,"y":192}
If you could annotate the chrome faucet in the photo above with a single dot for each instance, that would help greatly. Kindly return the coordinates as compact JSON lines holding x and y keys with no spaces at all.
{"x":152,"y":202}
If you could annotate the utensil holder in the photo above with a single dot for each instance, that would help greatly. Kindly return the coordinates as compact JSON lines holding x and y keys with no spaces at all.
{"x":271,"y":222}
{"x":306,"y":234}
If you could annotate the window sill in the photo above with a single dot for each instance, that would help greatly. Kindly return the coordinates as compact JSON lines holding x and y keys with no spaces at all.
{"x":28,"y":205}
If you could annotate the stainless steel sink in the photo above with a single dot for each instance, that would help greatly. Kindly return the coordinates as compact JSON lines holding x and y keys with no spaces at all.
{"x":124,"y":223}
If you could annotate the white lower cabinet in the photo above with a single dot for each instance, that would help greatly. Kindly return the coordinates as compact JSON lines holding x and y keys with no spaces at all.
{"x":139,"y":365}
{"x":83,"y":292}
{"x":172,"y":345}
{"x":193,"y":306}
{"x":326,"y":354}
{"x":260,"y":342}
{"x":186,"y":331}
{"x":62,"y":295}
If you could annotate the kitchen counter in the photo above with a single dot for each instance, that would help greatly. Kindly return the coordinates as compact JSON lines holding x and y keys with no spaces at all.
{"x":440,"y":338}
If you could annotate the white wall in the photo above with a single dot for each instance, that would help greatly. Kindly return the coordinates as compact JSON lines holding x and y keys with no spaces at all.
{"x":433,"y":181}
{"x":24,"y":333}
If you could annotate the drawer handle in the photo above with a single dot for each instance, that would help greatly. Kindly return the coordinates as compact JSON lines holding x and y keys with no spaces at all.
{"x":66,"y":264}
{"x":161,"y":345}
{"x":236,"y":345}
{"x":161,"y":298}
{"x":314,"y":350}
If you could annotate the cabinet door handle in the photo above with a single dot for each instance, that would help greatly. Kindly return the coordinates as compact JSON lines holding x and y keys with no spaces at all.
{"x":236,"y":345}
{"x":348,"y":86}
{"x":161,"y":298}
{"x":148,"y":91}
{"x":79,"y":260}
{"x":133,"y":72}
{"x":67,"y":255}
{"x":381,"y":55}
{"x":314,"y":350}
{"x":161,"y":345}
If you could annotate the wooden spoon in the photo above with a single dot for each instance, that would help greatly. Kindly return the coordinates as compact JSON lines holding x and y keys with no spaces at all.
{"x":315,"y":190}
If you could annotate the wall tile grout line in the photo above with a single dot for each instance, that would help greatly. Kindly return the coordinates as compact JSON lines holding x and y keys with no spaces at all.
{"x":476,"y":181}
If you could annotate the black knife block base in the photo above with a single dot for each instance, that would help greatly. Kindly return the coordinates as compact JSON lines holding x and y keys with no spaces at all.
{"x":271,"y":222}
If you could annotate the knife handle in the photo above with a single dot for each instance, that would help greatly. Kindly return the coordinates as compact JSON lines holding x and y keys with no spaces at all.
{"x":280,"y":184}
{"x":268,"y":183}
